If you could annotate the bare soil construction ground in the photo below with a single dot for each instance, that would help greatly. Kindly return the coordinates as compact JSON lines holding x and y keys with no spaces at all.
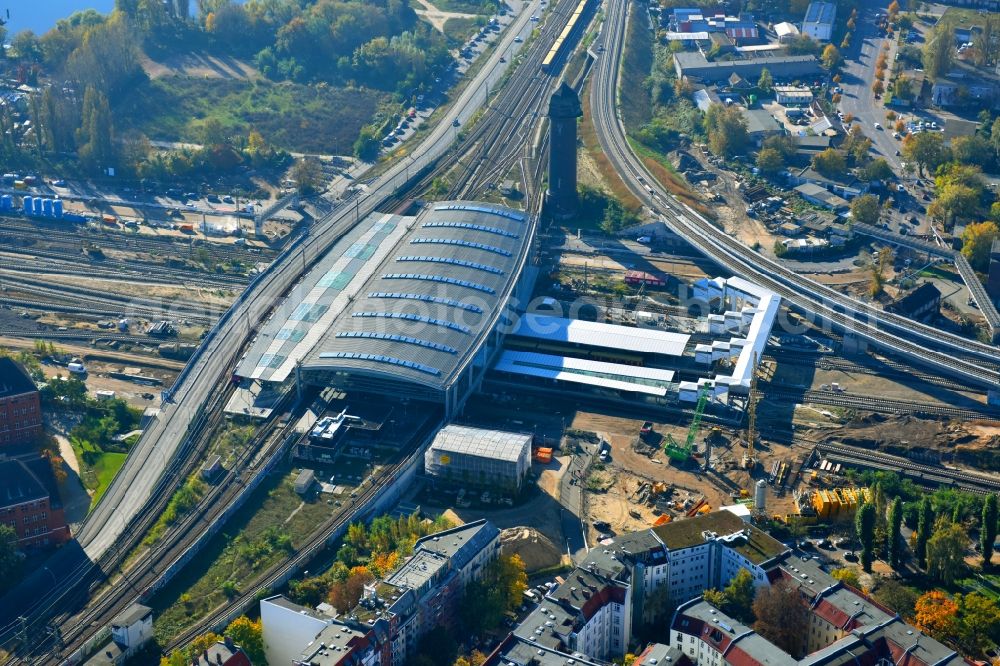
{"x":199,"y":65}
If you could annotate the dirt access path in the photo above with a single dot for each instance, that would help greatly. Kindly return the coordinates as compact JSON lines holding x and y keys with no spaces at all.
{"x":199,"y":65}
{"x":437,"y":17}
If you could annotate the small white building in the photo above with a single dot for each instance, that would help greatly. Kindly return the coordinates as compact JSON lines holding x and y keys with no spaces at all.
{"x":479,"y":457}
{"x":793,"y":95}
{"x":819,"y":20}
{"x":288,"y":628}
{"x":304,"y":481}
{"x":786,"y":32}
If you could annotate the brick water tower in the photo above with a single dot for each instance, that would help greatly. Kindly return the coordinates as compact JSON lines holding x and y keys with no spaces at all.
{"x":564,"y":109}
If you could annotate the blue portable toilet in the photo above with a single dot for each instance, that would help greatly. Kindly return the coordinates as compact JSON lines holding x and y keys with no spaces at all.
{"x":57,"y":210}
{"x":6,"y":202}
{"x":37,"y":206}
{"x":47,"y":207}
{"x":28,"y":202}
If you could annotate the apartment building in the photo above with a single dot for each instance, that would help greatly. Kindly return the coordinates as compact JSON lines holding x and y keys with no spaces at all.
{"x":393,"y":614}
{"x":844,"y":626}
{"x":30,"y":502}
{"x":20,"y":406}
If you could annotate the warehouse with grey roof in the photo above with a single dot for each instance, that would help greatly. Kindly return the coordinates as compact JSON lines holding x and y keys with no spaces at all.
{"x":402,"y":306}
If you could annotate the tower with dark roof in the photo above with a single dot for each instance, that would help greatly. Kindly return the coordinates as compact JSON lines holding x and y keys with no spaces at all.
{"x":564,"y":109}
{"x":993,"y":280}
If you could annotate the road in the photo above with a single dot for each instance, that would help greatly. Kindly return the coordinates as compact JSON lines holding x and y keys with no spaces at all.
{"x":945,"y":353}
{"x":162,"y":447}
{"x":857,"y":76}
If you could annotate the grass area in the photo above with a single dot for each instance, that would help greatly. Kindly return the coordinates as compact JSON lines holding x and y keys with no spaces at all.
{"x":667,"y":176}
{"x":588,"y":135}
{"x":227,"y":445}
{"x":485,"y":7}
{"x":940,"y":273}
{"x":637,"y":63}
{"x":459,"y":30}
{"x":273,"y":522}
{"x":296,"y":117}
{"x":97,"y":467}
{"x":987,"y":585}
{"x":965,"y":18}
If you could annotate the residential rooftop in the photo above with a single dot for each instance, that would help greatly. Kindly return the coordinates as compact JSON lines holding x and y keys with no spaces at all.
{"x":14,"y":380}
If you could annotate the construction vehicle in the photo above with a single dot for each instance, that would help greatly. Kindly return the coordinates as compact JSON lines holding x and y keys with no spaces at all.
{"x":679,"y":453}
{"x":749,"y":459}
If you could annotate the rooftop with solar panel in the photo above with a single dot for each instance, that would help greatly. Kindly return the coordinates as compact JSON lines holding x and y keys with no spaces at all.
{"x":401,"y":305}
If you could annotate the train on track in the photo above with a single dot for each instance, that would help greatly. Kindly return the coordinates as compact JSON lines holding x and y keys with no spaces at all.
{"x":567,"y":38}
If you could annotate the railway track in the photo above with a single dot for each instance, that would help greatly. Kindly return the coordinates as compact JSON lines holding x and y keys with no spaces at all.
{"x":892,"y":370}
{"x":147,"y":569}
{"x":944,"y":352}
{"x":884,"y":405}
{"x":928,"y":474}
{"x":325,"y":231}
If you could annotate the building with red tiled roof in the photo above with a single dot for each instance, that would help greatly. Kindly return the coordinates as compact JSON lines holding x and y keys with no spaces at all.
{"x":845,"y":627}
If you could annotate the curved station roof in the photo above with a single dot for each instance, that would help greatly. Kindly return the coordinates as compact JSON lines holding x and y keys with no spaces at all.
{"x":406,"y":297}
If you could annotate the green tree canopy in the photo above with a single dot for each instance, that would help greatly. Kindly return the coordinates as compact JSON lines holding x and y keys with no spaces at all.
{"x":830,"y":162}
{"x":946,"y":551}
{"x":864,"y":526}
{"x":726,"y":129}
{"x":866,"y":209}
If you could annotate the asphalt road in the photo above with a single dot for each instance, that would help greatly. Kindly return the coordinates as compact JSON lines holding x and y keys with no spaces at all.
{"x":159,"y":446}
{"x":858,"y":74}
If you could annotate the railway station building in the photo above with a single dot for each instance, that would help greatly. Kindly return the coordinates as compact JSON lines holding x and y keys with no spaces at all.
{"x":407,"y":307}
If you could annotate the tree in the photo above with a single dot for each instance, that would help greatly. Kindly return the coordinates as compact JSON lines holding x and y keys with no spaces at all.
{"x":847,"y":575}
{"x":955,"y":202}
{"x":345,"y":595}
{"x":726,"y":129}
{"x":979,"y":623}
{"x":770,"y":160}
{"x":977,"y":239}
{"x":499,"y":590}
{"x":937,"y":52}
{"x":782,"y":618}
{"x":96,"y":134}
{"x":865,"y":209}
{"x":248,"y":634}
{"x":856,"y":144}
{"x":10,"y":561}
{"x":926,"y":149}
{"x":864,"y":526}
{"x":946,"y":552}
{"x":830,"y":162}
{"x":895,"y":541}
{"x":715,"y":597}
{"x":739,"y":594}
{"x":988,"y":528}
{"x":766,"y":81}
{"x":878,"y":87}
{"x":935,"y":615}
{"x":831,"y":57}
{"x":308,"y":175}
{"x":896,"y":596}
{"x":973,"y":150}
{"x":925,"y":524}
{"x":877,"y":169}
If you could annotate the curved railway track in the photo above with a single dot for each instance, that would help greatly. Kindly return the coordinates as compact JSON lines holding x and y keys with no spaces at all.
{"x":170,"y":480}
{"x":944,"y":352}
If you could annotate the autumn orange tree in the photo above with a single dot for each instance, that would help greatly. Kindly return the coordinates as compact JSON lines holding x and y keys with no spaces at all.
{"x":935,"y":615}
{"x":345,"y":594}
{"x":878,"y":88}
